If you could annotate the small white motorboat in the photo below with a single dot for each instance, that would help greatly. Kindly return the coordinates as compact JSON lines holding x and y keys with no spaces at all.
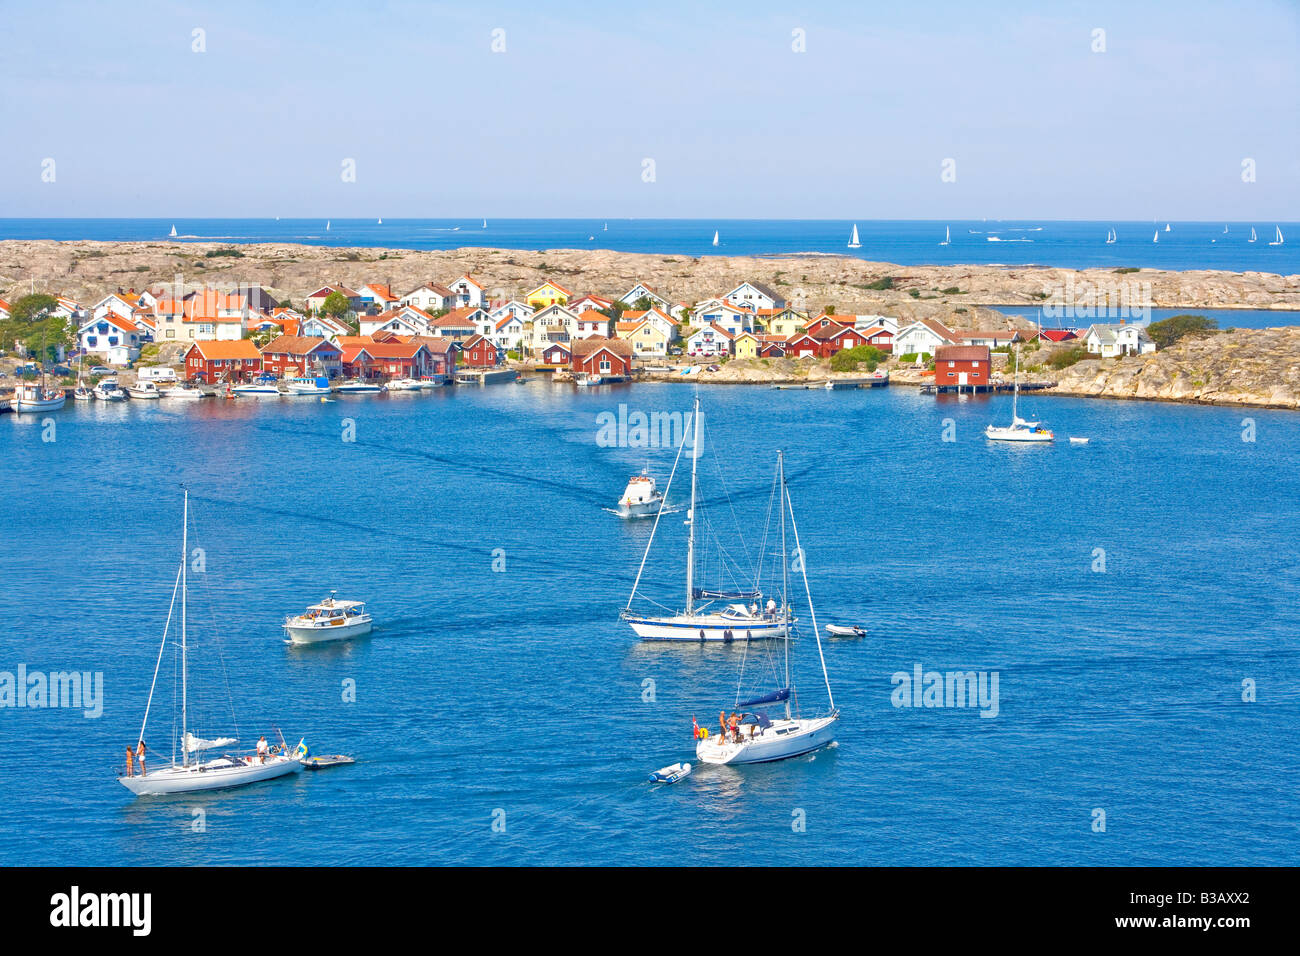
{"x":587,"y":381}
{"x":308,"y":385}
{"x":144,"y":390}
{"x":107,"y":390}
{"x":437,"y":380}
{"x":330,"y":620}
{"x":82,"y":393}
{"x":321,"y":761}
{"x":641,"y":498}
{"x":404,"y":385}
{"x":355,"y":387}
{"x":182,"y":393}
{"x":671,"y":774}
{"x":1078,"y":441}
{"x":842,"y":630}
{"x":253,"y":390}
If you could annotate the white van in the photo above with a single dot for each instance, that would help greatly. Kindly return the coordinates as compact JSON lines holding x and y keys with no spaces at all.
{"x":156,"y":373}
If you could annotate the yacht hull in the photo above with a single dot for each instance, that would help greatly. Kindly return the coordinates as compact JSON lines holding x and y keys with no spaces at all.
{"x":785,"y":738}
{"x":220,"y":774}
{"x":319,"y":635}
{"x":712,"y":627}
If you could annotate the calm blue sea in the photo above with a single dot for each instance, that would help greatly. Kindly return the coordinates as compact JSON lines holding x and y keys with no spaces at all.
{"x":1191,"y":245}
{"x":516,"y":695}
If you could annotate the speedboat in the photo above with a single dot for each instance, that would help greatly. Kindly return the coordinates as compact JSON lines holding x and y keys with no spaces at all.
{"x":641,"y":499}
{"x":182,"y":393}
{"x":256,"y":390}
{"x":309,"y":386}
{"x":107,"y":390}
{"x":356,"y":387}
{"x":404,"y":385}
{"x":145,"y":390}
{"x":330,"y":620}
{"x":842,"y":630}
{"x":31,"y":397}
{"x":437,"y":380}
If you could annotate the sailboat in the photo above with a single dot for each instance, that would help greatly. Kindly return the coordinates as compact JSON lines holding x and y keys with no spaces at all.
{"x":173,"y":232}
{"x":947,"y":237}
{"x":327,"y":225}
{"x":606,"y":229}
{"x":853,"y":239}
{"x":1278,"y":241}
{"x":1110,"y":237}
{"x":1019,"y":429}
{"x":715,"y":237}
{"x":1167,"y":227}
{"x":484,"y":223}
{"x":697,"y":622}
{"x":1225,"y":229}
{"x":759,"y":738}
{"x":194,"y":773}
{"x":1156,"y":237}
{"x":1252,"y":234}
{"x":381,"y":220}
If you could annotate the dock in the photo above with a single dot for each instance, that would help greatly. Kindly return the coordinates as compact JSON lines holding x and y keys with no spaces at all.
{"x":838,"y":384}
{"x":933,"y":389}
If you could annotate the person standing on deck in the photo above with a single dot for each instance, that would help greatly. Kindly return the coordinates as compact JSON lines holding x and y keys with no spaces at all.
{"x":139,"y":755}
{"x":261,"y":750}
{"x":130,"y":761}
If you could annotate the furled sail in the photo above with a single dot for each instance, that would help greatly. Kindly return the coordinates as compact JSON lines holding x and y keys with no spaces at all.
{"x":776,"y":697}
{"x":193,"y":743}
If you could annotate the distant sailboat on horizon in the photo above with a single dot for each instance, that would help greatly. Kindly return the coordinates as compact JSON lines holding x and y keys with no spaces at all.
{"x":173,"y":232}
{"x":1278,"y":241}
{"x":1166,"y":227}
{"x":606,"y":228}
{"x":1252,"y":234}
{"x":1156,"y":237}
{"x":1110,"y":236}
{"x":327,"y":225}
{"x":715,"y":237}
{"x":947,"y":236}
{"x":854,"y":243}
{"x":381,"y":220}
{"x":484,"y":223}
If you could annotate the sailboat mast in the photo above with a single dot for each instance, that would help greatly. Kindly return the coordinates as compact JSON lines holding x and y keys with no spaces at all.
{"x":690,"y":537}
{"x":1015,"y":389}
{"x":185,"y":551}
{"x":785,"y":570}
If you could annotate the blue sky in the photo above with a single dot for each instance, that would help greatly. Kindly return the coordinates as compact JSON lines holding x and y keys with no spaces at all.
{"x":738,"y":124}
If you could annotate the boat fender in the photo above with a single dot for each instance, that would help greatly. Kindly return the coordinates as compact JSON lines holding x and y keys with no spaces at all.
{"x":727,"y":636}
{"x":702,"y":637}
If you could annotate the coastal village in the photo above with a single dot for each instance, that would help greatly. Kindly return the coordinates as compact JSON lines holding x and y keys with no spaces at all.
{"x":372,"y":335}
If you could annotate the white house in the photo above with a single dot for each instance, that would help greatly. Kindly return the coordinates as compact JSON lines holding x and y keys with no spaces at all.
{"x":1109,"y":340}
{"x":431,"y":297}
{"x":378,"y":298}
{"x":115,"y":338}
{"x":754,"y":296}
{"x":468,"y":293}
{"x":643,"y":291}
{"x":723,"y":314}
{"x":588,"y":302}
{"x":923,"y":337}
{"x":548,"y":326}
{"x":509,"y":332}
{"x":712,"y":340}
{"x":590,"y":323}
{"x":406,"y":320}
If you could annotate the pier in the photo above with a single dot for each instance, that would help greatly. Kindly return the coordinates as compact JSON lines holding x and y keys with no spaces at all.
{"x":838,"y":384}
{"x":933,"y":389}
{"x":485,"y":376}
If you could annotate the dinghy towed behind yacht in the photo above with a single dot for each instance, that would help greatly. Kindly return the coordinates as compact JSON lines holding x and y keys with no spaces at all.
{"x":194,"y":773}
{"x":759,"y":738}
{"x":696,"y":622}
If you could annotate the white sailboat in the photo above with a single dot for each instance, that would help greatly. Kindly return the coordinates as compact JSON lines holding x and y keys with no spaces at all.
{"x":1019,"y":429}
{"x":947,"y":237}
{"x":327,"y":225}
{"x":758,"y":738}
{"x":854,"y":242}
{"x":1156,"y":237}
{"x":1167,"y":227}
{"x":1252,"y":235}
{"x":1278,"y":241}
{"x":606,"y":228}
{"x":195,"y":773}
{"x":484,"y":223}
{"x":381,"y":220}
{"x":173,"y":232}
{"x":698,"y":621}
{"x":715,"y":237}
{"x":1110,"y":237}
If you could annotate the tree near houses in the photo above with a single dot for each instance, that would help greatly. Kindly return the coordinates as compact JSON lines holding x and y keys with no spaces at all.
{"x":30,"y":322}
{"x":643,"y":304}
{"x":1168,"y":331}
{"x":335,"y":304}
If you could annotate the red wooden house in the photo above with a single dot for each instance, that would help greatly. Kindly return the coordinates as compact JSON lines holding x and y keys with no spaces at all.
{"x":400,"y":359}
{"x":222,"y":361}
{"x":479,"y":351}
{"x":557,"y":354}
{"x":836,"y":338}
{"x":290,"y":355}
{"x":803,"y":346}
{"x":601,"y":356}
{"x":961,"y":365}
{"x":879,"y":337}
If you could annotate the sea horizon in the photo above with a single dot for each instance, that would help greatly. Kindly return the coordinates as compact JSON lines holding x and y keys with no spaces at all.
{"x":1069,"y":243}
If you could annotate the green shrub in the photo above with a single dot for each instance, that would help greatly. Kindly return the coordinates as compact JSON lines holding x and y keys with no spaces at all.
{"x":881,"y":285}
{"x":1168,"y":331}
{"x":1067,"y":358}
{"x":848,"y":360}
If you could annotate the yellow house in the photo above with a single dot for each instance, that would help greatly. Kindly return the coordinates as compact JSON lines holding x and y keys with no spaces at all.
{"x":548,"y":294}
{"x":745,"y":345}
{"x":783,"y":322}
{"x":646,"y":337}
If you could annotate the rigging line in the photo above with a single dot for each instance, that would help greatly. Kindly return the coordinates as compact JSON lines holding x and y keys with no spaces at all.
{"x":162,"y":647}
{"x":216,"y":639}
{"x":812,"y":611}
{"x":740,"y":533}
{"x":658,"y":515}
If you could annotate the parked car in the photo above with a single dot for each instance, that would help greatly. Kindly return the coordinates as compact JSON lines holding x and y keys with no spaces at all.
{"x":101,"y":370}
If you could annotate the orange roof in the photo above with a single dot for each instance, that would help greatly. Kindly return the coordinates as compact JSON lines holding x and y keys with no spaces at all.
{"x":554,"y":285}
{"x":236,"y":349}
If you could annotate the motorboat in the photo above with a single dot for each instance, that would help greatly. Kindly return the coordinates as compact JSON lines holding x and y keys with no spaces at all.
{"x":404,"y":385}
{"x":437,"y":380}
{"x":587,"y":381}
{"x":255,"y":390}
{"x":641,"y":498}
{"x":308,"y":385}
{"x":846,"y":630}
{"x":143,"y":390}
{"x":356,"y":387}
{"x":82,"y":393}
{"x":330,"y":620}
{"x":183,"y":393}
{"x":1074,"y":440}
{"x":194,"y":772}
{"x":36,"y":397}
{"x":107,"y":390}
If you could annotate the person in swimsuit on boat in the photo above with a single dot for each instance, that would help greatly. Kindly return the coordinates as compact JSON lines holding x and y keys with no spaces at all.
{"x":130,"y":761}
{"x":722,"y":719}
{"x":261,"y":750}
{"x":735,"y":726}
{"x":139,"y":755}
